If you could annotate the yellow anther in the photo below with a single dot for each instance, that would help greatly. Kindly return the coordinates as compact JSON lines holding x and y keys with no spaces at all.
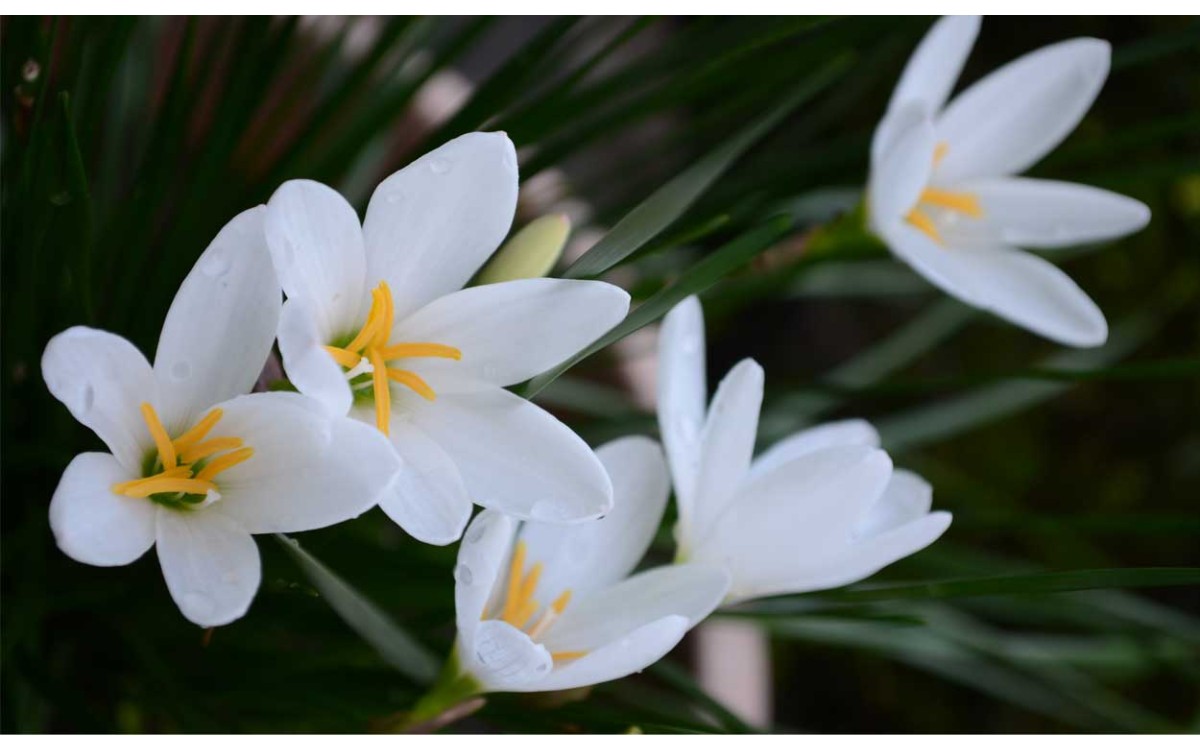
{"x":925,"y":224}
{"x":226,"y":461}
{"x":123,"y":488}
{"x":567,"y":655}
{"x":155,"y":485}
{"x":344,"y":357}
{"x":203,"y":450}
{"x":963,"y":203}
{"x":367,"y":333}
{"x":515,"y":568}
{"x":530,"y":582}
{"x":386,"y":318}
{"x":162,"y":441}
{"x":396,"y":351}
{"x":559,"y":604}
{"x":526,"y":611}
{"x":383,"y":392}
{"x":198,"y":431}
{"x":939,"y":152}
{"x":413,"y":381}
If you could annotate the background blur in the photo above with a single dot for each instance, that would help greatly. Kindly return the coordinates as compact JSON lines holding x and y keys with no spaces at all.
{"x":1074,"y":476}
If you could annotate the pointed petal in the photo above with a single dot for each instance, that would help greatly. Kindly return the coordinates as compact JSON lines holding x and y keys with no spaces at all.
{"x":1043,"y":213}
{"x":1010,"y":119}
{"x":906,"y":498}
{"x":481,"y":557}
{"x":221,"y":325}
{"x":93,"y":525}
{"x":211,"y":565}
{"x":903,"y":166}
{"x":869,"y":556}
{"x":630,"y":654}
{"x":510,"y":331}
{"x":428,"y":499}
{"x":431,"y":225}
{"x":590,"y":556}
{"x":504,"y":658}
{"x":517,"y":458}
{"x":308,"y":366}
{"x":933,"y":68}
{"x":829,"y":435}
{"x":308,"y":471}
{"x":727,"y":445}
{"x":690,"y":591}
{"x":316,"y":244}
{"x":103,"y":379}
{"x":682,"y":394}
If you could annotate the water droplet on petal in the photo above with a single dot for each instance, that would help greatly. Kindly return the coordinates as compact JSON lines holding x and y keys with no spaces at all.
{"x":439,"y":166}
{"x":543,"y":667}
{"x":463,"y":574}
{"x":215,"y":265}
{"x":181,"y":370}
{"x":476,"y":533}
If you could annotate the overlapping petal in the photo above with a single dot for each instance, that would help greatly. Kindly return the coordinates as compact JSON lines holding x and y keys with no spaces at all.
{"x":210,"y":563}
{"x":428,"y":499}
{"x":682,"y":395}
{"x":309,"y":367}
{"x":93,"y":525}
{"x":903,"y":168}
{"x":620,"y":658}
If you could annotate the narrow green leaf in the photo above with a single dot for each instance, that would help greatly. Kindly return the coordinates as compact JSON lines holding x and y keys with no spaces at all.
{"x":679,"y":679}
{"x":670,"y":201}
{"x":397,"y":647}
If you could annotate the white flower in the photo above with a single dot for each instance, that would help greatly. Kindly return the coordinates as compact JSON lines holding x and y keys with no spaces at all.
{"x":822,"y":508}
{"x":553,"y":607}
{"x":942,"y":193}
{"x":376,"y":325}
{"x":195,"y":467}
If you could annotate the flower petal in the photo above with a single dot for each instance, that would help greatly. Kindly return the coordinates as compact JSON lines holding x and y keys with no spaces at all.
{"x":517,"y":458}
{"x":221,"y":325}
{"x":316,"y":244}
{"x":103,"y":379}
{"x":592,"y":555}
{"x":902,"y":169}
{"x":503,"y":658}
{"x":93,"y":525}
{"x":510,"y":331}
{"x":682,"y":395}
{"x":930,"y":73}
{"x":601,"y":617}
{"x":727,"y":445}
{"x":869,"y":556}
{"x":481,"y":557}
{"x":829,"y":435}
{"x":430,"y":226}
{"x":308,"y":366}
{"x":1043,"y":213}
{"x":906,"y":498}
{"x":428,"y":499}
{"x":211,"y":565}
{"x":308,"y":471}
{"x":630,"y":654}
{"x":1010,"y":119}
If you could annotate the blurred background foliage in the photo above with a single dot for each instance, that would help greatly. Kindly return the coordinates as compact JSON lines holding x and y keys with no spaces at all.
{"x":1064,"y":597}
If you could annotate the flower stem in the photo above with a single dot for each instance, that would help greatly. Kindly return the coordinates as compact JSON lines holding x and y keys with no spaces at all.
{"x":453,"y":688}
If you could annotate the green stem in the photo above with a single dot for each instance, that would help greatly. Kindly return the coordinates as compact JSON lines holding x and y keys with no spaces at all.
{"x":453,"y":686}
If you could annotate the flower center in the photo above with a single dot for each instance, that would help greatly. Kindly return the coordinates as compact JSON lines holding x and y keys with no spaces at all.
{"x":369,"y":351}
{"x":963,"y":203}
{"x":185,"y":468}
{"x":520,"y":606}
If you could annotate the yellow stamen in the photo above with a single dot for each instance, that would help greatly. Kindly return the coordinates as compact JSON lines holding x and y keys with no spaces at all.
{"x":412,"y":380}
{"x":963,"y":203}
{"x":925,"y":224}
{"x":159,"y":484}
{"x":511,"y":602}
{"x":209,"y":447}
{"x":396,"y":351}
{"x":343,"y":357}
{"x":559,"y":604}
{"x":198,"y":431}
{"x":367,"y":332}
{"x":525,"y":612}
{"x":567,"y":655}
{"x":383,"y":393}
{"x":939,"y":152}
{"x":221,"y":463}
{"x":386,"y":318}
{"x":162,"y":441}
{"x":528,"y":586}
{"x":122,"y":488}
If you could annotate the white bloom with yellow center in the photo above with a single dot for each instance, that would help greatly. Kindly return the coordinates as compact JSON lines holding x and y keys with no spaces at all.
{"x":377,"y":325}
{"x":552,"y":607}
{"x":820,"y":509}
{"x":196,"y":467}
{"x":944,"y":198}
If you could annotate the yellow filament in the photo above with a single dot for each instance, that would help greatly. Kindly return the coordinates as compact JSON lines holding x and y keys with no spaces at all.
{"x":157,"y":484}
{"x":367,"y":333}
{"x":209,"y":447}
{"x":520,"y":606}
{"x":413,"y":381}
{"x":939,"y":152}
{"x":396,"y":351}
{"x":162,"y":441}
{"x":383,"y":393}
{"x":198,"y":431}
{"x":221,"y":463}
{"x":567,"y":655}
{"x":511,"y":602}
{"x":344,"y":357}
{"x":963,"y":203}
{"x":525,"y":612}
{"x":925,"y":224}
{"x":179,"y":471}
{"x":387,"y":318}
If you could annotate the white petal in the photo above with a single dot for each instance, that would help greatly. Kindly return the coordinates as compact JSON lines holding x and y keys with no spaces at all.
{"x":602,"y":617}
{"x":845,"y":432}
{"x":517,"y":458}
{"x":211,"y":565}
{"x":727,"y":445}
{"x":589,"y":556}
{"x":482,"y":556}
{"x":903,"y":166}
{"x":510,"y":331}
{"x":869,"y":556}
{"x":790,"y":525}
{"x":221,"y":325}
{"x":92,"y":524}
{"x":906,"y":498}
{"x":428,"y":498}
{"x":1010,"y":119}
{"x":1043,"y":213}
{"x":309,"y":367}
{"x":309,"y":470}
{"x":633,"y":653}
{"x":682,"y":395}
{"x":103,"y":380}
{"x":431,"y":225}
{"x":316,"y":244}
{"x":933,"y":68}
{"x":504,"y":658}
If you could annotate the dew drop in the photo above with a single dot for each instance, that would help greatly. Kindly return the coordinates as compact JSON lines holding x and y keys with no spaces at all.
{"x":87,"y":398}
{"x":476,"y":533}
{"x":215,"y":266}
{"x":463,"y":574}
{"x":439,"y":166}
{"x":543,"y":667}
{"x":181,"y":370}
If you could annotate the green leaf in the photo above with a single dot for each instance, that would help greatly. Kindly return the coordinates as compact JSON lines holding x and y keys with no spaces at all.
{"x":397,"y":647}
